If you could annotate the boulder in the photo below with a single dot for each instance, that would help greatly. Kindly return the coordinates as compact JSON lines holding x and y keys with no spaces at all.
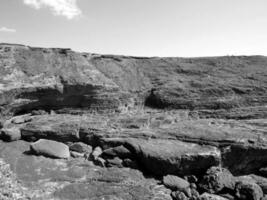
{"x":21,"y":119}
{"x":11,"y":134}
{"x":175,"y":183}
{"x":216,"y":179}
{"x":173,"y":156}
{"x":96,"y":153}
{"x":247,"y":190}
{"x":50,"y":148}
{"x":80,"y":147}
{"x":177,"y":195}
{"x":100,"y":162}
{"x":115,"y":162}
{"x":119,"y":151}
{"x":39,"y":112}
{"x":76,"y":154}
{"x":261,"y":181}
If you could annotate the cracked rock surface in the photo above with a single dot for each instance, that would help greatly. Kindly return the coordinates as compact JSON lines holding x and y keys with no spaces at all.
{"x":88,"y":126}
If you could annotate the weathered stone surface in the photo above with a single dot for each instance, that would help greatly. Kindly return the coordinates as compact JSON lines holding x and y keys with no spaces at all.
{"x":96,"y":152}
{"x":119,"y":151}
{"x":177,"y":195}
{"x":175,"y":183}
{"x":130,"y":163}
{"x":76,"y":154}
{"x":10,"y":134}
{"x":174,"y":157}
{"x":261,"y":181}
{"x":175,"y":116}
{"x":217,"y":179}
{"x":207,"y":196}
{"x":50,"y":148}
{"x":115,"y":162}
{"x":248,"y":191}
{"x":47,"y":178}
{"x":81,"y":148}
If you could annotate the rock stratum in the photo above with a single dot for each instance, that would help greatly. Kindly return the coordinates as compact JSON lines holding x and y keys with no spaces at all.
{"x":89,"y":126}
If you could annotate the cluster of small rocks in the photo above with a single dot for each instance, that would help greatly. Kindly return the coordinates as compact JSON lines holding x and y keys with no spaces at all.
{"x":217,"y":184}
{"x":118,"y":156}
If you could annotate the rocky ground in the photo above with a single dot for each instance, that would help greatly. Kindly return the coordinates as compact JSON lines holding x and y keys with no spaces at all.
{"x":87,"y":126}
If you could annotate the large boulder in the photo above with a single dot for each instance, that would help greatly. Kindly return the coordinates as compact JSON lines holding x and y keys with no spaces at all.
{"x":119,"y":151}
{"x":80,"y":147}
{"x":247,"y":190}
{"x":174,"y":157}
{"x":217,"y":179}
{"x":175,"y":183}
{"x":50,"y":148}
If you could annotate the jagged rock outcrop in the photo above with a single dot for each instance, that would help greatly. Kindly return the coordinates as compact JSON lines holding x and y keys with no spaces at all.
{"x":161,"y":116}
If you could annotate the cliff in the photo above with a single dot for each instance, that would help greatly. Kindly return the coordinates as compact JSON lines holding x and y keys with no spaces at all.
{"x":177,"y":116}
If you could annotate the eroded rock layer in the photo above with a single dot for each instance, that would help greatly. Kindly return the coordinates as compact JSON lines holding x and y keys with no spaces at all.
{"x":127,"y":122}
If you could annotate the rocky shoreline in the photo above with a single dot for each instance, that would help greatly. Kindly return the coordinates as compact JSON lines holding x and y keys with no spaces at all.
{"x":87,"y":126}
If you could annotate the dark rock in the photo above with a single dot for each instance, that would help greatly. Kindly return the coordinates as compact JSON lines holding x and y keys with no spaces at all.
{"x":248,"y":191}
{"x":115,"y":162}
{"x":191,"y":179}
{"x":130,"y":163}
{"x":175,"y":183}
{"x":50,"y":148}
{"x":195,"y":158}
{"x":245,"y":158}
{"x":217,"y":179}
{"x":119,"y":151}
{"x":39,"y":112}
{"x":81,"y":147}
{"x":261,"y":181}
{"x":100,"y":162}
{"x":263,"y":171}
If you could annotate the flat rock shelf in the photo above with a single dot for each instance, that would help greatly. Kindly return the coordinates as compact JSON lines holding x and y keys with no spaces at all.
{"x":89,"y":126}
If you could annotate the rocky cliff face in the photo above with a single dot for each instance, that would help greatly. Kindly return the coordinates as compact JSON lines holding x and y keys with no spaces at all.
{"x":161,"y":116}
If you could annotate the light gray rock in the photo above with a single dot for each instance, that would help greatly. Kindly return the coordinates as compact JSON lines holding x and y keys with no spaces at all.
{"x":207,"y":196}
{"x":96,"y":152}
{"x":50,"y":148}
{"x":81,"y":147}
{"x":217,"y":179}
{"x":175,"y":183}
{"x":11,"y":134}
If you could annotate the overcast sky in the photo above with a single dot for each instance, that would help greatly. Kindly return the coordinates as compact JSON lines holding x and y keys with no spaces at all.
{"x":139,"y":27}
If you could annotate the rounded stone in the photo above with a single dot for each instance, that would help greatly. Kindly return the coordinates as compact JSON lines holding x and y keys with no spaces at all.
{"x":175,"y":183}
{"x":50,"y":148}
{"x":81,"y":147}
{"x":247,"y":190}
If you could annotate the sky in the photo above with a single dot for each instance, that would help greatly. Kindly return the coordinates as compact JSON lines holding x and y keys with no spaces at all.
{"x":183,"y":28}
